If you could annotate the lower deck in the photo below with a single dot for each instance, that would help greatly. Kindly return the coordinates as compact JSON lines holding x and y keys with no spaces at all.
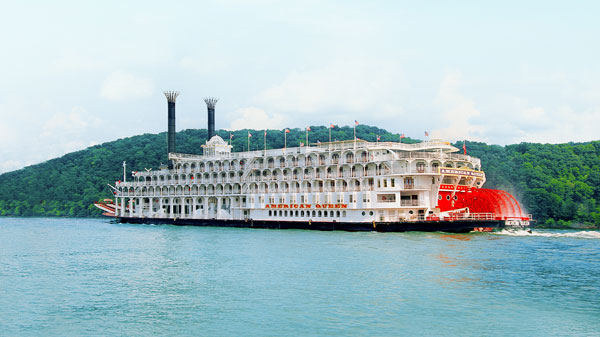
{"x":457,"y":226}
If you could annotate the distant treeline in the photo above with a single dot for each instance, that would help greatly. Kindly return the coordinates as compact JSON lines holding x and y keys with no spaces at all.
{"x":558,"y":184}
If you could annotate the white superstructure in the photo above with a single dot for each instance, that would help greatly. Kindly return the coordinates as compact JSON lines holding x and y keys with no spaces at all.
{"x":345,"y":181}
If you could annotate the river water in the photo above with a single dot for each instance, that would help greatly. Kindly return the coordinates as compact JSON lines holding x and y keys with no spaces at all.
{"x":61,"y":277}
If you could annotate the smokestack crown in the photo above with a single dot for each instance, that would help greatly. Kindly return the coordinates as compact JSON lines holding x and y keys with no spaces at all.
{"x":211,"y":102}
{"x":171,"y":96}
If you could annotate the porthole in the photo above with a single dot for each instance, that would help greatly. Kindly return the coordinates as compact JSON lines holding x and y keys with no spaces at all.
{"x":447,"y":197}
{"x":440,"y":197}
{"x":455,"y":197}
{"x":363,"y":213}
{"x":410,"y":212}
{"x":371,"y":213}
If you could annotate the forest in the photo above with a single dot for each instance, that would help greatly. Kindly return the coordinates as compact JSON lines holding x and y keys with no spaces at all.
{"x":558,"y":183}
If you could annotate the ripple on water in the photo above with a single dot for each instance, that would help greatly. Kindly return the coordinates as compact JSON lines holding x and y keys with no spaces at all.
{"x":89,"y":277}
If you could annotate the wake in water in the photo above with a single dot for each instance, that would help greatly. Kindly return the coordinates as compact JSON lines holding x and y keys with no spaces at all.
{"x":521,"y":232}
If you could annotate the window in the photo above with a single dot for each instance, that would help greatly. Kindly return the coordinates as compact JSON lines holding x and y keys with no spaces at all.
{"x":371,"y":213}
{"x":378,"y":183}
{"x":393,"y":182}
{"x":296,"y":213}
{"x":270,"y":213}
{"x":314,"y":214}
{"x":351,"y":198}
{"x":302,"y":213}
{"x":338,"y":214}
{"x":302,"y":199}
{"x":344,"y":214}
{"x":319,"y":214}
{"x":384,"y":182}
{"x":363,"y":213}
{"x":285,"y":213}
{"x":280,"y":213}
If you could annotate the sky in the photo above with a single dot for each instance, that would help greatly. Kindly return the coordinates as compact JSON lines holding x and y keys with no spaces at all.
{"x":79,"y":73}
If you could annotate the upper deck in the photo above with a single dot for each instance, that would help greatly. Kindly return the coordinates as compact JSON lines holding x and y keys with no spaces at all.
{"x":434,"y":149}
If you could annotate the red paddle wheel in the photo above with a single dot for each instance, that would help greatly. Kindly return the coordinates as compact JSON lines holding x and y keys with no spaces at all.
{"x":502,"y":205}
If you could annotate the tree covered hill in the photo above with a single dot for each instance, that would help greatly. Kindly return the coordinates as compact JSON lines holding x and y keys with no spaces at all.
{"x":559,"y":184}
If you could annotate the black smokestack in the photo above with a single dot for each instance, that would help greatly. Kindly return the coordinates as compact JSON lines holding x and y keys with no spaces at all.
{"x":210,"y":104}
{"x":171,"y":97}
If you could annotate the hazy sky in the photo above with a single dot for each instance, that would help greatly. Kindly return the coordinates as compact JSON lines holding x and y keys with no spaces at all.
{"x":78,"y":73}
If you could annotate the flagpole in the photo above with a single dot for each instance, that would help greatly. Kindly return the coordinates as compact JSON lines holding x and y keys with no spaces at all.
{"x":284,"y":139}
{"x":307,"y":136}
{"x":248,"y":141}
{"x":265,"y":140}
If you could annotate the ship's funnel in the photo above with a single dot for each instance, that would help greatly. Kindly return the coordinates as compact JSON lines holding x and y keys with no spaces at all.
{"x":210,"y":104}
{"x":171,"y":97}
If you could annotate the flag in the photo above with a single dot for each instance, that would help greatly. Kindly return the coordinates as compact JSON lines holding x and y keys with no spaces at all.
{"x":378,"y":137}
{"x":402,"y":136}
{"x":426,"y":134}
{"x":464,"y":147}
{"x":230,"y":136}
{"x":265,"y":132}
{"x":301,"y":144}
{"x":249,"y":134}
{"x":308,"y":128}
{"x":331,"y":126}
{"x":355,"y":122}
{"x":192,"y":177}
{"x":287,"y":130}
{"x":318,"y":142}
{"x":357,"y":138}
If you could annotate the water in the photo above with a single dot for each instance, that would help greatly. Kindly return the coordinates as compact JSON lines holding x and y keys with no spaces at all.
{"x":61,"y":277}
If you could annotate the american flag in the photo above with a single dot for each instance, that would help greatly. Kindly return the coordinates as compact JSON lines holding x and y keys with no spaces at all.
{"x":249,"y":134}
{"x":308,"y":128}
{"x":378,"y":137}
{"x":426,"y":134}
{"x":331,"y":126}
{"x":287,"y":130}
{"x":355,"y":122}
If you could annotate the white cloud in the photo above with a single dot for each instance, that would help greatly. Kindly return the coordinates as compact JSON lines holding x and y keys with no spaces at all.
{"x":77,"y":121}
{"x":255,"y":118}
{"x":457,"y":111}
{"x":120,"y":86}
{"x":355,"y":86}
